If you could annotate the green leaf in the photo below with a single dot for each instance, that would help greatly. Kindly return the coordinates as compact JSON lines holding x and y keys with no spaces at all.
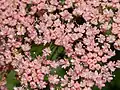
{"x":108,"y":32}
{"x":56,"y":52}
{"x":59,"y":71}
{"x":116,"y":79}
{"x":11,"y":80}
{"x":54,"y":56}
{"x":46,"y":78}
{"x":58,"y":87}
{"x":52,"y":45}
{"x":36,"y":50}
{"x":60,"y":49}
{"x":95,"y":88}
{"x":62,"y":1}
{"x":0,"y":76}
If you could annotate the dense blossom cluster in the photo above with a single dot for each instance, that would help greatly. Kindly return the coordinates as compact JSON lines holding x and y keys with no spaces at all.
{"x":88,"y":30}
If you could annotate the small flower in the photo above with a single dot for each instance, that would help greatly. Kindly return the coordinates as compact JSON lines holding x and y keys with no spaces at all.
{"x":117,"y":44}
{"x":25,"y":47}
{"x":53,"y":79}
{"x":33,"y":85}
{"x":20,"y":30}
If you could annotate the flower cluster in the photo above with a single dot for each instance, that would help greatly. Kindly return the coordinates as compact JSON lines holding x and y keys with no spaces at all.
{"x":60,"y":44}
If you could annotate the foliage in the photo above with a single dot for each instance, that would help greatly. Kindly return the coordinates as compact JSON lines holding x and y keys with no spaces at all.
{"x":57,"y":52}
{"x":36,"y":50}
{"x":59,"y":71}
{"x":62,"y":1}
{"x":11,"y":80}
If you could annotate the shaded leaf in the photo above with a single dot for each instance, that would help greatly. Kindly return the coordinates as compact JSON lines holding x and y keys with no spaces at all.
{"x":62,"y":1}
{"x":108,"y":32}
{"x":11,"y":80}
{"x":59,"y":71}
{"x":58,"y":87}
{"x":95,"y":88}
{"x":36,"y":50}
{"x":0,"y":77}
{"x":46,"y":78}
{"x":56,"y":52}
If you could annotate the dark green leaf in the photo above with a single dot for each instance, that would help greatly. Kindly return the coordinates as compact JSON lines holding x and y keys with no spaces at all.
{"x":108,"y":32}
{"x":59,"y":71}
{"x":52,"y":45}
{"x":58,"y":87}
{"x":56,"y":52}
{"x":36,"y":50}
{"x":54,"y":56}
{"x":46,"y":78}
{"x":95,"y":88}
{"x":0,"y":77}
{"x":60,"y":49}
{"x":62,"y":1}
{"x":116,"y":79}
{"x":11,"y":80}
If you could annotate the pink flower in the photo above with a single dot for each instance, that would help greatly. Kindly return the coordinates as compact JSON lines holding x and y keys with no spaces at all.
{"x":115,"y":1}
{"x":66,"y":15}
{"x":33,"y":10}
{"x":57,"y":23}
{"x":86,"y":43}
{"x":41,"y":6}
{"x":29,"y":78}
{"x":49,"y":23}
{"x":101,"y":38}
{"x":77,"y":85}
{"x":40,"y":76}
{"x":54,"y":2}
{"x":33,"y":85}
{"x":53,"y":79}
{"x":25,"y":47}
{"x":111,"y":66}
{"x":46,"y":51}
{"x":20,"y":30}
{"x":45,"y":70}
{"x":17,"y":44}
{"x":51,"y":8}
{"x":42,"y":84}
{"x":28,"y":71}
{"x":54,"y":64}
{"x":117,"y":44}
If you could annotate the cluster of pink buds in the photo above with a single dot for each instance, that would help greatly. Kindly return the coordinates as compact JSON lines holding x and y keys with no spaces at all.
{"x":60,"y":44}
